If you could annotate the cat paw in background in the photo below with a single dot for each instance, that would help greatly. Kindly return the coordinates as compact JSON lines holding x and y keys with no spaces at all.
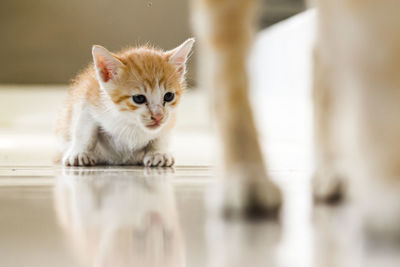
{"x":246,"y":193}
{"x":328,"y":186}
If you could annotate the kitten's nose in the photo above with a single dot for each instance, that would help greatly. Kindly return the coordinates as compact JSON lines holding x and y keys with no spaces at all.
{"x":157,"y":117}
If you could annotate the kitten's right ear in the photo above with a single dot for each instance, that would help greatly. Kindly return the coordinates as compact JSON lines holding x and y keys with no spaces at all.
{"x":107,"y":66}
{"x":179,"y":55}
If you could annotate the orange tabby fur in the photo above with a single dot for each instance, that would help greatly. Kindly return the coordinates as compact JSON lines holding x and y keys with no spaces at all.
{"x":224,"y":30}
{"x":138,"y":61}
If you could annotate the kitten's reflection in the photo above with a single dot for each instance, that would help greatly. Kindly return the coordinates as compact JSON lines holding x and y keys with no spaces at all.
{"x":120,"y":218}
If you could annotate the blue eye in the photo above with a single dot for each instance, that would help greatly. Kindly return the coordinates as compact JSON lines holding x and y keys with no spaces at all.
{"x":139,"y":99}
{"x":168,"y":97}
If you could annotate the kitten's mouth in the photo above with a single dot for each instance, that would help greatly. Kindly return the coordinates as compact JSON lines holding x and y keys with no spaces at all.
{"x":153,"y":125}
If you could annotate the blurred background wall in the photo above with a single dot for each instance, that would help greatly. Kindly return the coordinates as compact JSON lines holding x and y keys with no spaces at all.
{"x":49,"y":41}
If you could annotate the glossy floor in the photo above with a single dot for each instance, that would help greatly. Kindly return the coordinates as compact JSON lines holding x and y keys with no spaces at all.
{"x":54,"y":216}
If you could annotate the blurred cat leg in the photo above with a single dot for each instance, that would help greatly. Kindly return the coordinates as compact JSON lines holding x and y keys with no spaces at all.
{"x":377,"y":189}
{"x":224,"y":30}
{"x":327,"y":181}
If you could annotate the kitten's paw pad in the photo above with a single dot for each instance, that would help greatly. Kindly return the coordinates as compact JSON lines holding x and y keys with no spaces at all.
{"x":79,"y":159}
{"x":158,"y":159}
{"x":327,"y":186}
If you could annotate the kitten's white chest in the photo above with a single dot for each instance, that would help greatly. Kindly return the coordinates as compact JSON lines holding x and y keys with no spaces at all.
{"x":128,"y":136}
{"x":122,"y":141}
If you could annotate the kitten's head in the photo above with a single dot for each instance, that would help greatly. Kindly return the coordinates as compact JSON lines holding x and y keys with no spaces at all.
{"x":144,"y":84}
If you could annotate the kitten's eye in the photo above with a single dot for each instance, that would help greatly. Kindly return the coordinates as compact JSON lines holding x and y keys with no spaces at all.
{"x":168,"y":97}
{"x":139,"y":99}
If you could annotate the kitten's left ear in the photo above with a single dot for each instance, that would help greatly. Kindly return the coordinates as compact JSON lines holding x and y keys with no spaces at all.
{"x":180,"y":55}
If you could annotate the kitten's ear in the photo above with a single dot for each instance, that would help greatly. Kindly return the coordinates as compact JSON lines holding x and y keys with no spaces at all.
{"x":107,"y":66}
{"x":179,"y":55}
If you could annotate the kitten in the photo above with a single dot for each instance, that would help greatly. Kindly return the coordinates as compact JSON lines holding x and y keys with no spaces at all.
{"x":121,"y":108}
{"x":224,"y":30}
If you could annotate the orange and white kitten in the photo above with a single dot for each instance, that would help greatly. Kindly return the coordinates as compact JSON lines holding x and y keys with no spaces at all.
{"x":121,"y":108}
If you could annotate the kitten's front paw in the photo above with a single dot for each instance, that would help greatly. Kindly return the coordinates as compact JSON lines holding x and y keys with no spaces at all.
{"x":158,"y":159}
{"x":74,"y":158}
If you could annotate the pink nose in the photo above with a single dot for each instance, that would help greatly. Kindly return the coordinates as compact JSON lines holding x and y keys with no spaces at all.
{"x":157,"y":117}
